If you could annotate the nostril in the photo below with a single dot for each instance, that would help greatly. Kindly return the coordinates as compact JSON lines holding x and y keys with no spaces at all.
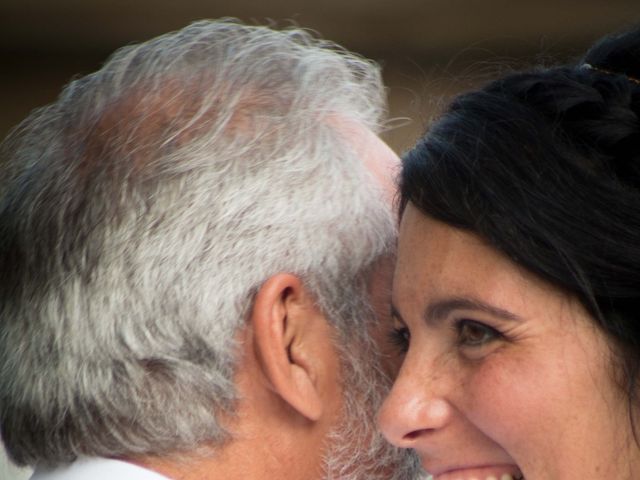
{"x":408,"y":418}
{"x":413,"y":435}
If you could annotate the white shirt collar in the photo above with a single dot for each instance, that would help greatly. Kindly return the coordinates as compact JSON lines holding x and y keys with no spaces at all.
{"x":97,"y":469}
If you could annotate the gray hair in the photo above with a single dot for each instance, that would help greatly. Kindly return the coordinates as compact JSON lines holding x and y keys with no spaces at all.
{"x":140,"y":213}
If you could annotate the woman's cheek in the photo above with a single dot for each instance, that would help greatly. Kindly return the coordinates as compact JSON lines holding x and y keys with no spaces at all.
{"x":506,"y":398}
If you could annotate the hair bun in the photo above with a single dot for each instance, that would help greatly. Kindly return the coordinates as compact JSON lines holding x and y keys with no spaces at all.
{"x":617,"y":54}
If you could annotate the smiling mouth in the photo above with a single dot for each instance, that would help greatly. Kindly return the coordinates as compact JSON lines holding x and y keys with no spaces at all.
{"x":505,"y":476}
{"x":473,"y":474}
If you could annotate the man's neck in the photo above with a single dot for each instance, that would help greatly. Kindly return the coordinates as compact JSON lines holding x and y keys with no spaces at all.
{"x":269,"y":456}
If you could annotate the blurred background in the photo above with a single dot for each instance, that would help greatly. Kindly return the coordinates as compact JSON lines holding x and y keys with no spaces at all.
{"x":429,"y":49}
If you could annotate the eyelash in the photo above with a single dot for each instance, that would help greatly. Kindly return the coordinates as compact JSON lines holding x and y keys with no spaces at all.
{"x":489,"y":334}
{"x":399,"y":338}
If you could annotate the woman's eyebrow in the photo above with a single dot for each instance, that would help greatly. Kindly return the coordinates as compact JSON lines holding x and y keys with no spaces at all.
{"x":438,"y":310}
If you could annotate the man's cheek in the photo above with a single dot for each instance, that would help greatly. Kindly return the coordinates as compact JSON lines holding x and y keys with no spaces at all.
{"x":390,"y":357}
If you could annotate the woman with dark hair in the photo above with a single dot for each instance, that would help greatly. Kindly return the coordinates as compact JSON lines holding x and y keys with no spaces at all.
{"x":517,"y":289}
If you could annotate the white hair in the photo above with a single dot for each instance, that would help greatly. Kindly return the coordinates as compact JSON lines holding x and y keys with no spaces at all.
{"x":140,"y":213}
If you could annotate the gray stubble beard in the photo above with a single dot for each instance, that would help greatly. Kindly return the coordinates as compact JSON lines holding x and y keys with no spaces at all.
{"x":356,"y":449}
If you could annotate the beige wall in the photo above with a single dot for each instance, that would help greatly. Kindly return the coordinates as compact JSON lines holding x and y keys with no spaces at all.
{"x":428,"y":48}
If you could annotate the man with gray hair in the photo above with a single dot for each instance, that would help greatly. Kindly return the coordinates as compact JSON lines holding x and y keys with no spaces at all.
{"x":193,"y":242}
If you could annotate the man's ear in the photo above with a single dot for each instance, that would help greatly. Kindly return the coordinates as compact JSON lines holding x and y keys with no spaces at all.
{"x":292,"y":341}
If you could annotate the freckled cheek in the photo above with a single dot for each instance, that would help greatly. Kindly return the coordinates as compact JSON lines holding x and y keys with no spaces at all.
{"x":507,"y":405}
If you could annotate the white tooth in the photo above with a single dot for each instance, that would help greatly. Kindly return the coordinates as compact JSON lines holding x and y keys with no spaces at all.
{"x":506,"y":476}
{"x":491,"y":477}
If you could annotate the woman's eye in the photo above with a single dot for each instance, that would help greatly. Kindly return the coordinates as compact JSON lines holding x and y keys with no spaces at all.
{"x":400,"y":338}
{"x":475,"y":334}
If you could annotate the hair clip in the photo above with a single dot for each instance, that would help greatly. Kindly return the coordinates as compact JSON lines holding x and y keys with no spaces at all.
{"x":609,"y":72}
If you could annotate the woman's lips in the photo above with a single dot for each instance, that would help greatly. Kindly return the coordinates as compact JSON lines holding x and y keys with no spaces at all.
{"x":488,"y":472}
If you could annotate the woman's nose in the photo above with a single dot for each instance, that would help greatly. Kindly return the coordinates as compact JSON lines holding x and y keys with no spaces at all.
{"x":413,"y":412}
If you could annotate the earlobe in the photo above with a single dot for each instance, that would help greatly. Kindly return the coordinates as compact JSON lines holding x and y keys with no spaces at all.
{"x":285,"y":342}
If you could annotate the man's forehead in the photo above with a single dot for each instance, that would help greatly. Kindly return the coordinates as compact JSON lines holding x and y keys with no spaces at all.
{"x":377,"y":156}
